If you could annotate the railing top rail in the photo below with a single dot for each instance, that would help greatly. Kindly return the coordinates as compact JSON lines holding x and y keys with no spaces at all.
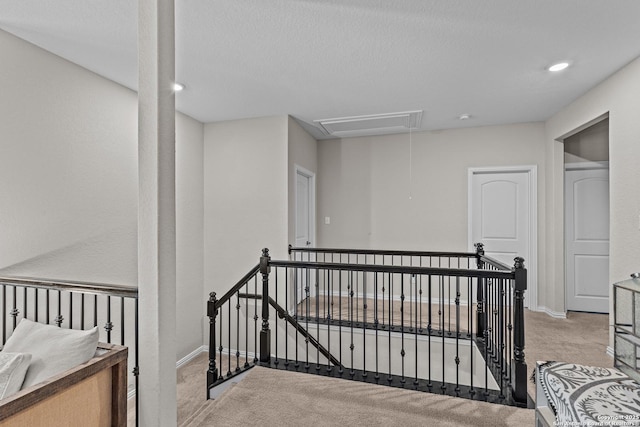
{"x":71,"y":286}
{"x":238,"y":285}
{"x":383,"y":252}
{"x":495,"y":263}
{"x":434,"y":271}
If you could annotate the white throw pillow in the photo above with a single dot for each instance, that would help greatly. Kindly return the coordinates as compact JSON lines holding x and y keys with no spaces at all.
{"x":13,"y":367}
{"x":53,"y":349}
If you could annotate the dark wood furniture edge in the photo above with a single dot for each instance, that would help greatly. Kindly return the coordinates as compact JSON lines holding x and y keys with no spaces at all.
{"x":113,"y":358}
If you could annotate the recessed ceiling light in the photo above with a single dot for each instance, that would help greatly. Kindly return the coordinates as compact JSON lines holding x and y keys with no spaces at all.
{"x":178,"y":87}
{"x":559,"y":66}
{"x":464,"y":116}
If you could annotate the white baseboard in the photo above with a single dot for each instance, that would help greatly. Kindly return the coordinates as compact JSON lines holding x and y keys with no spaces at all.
{"x":188,"y":358}
{"x":610,"y":351}
{"x":554,"y":314}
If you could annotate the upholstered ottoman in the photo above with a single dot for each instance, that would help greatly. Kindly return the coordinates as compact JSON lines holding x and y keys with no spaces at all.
{"x":568,"y":394}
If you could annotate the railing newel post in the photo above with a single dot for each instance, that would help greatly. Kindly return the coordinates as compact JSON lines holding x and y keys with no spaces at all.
{"x":265,"y":332}
{"x":480,"y":292}
{"x":212,"y":312}
{"x":519,"y":365}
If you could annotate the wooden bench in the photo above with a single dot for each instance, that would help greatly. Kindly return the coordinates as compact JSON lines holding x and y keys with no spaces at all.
{"x":91,"y":394}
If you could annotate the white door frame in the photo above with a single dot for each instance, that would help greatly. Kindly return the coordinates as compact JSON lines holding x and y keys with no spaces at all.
{"x":575,"y":166}
{"x":532,"y":263}
{"x":299,"y":170}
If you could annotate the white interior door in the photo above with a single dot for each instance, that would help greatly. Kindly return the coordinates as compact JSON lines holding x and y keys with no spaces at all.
{"x":500,"y":216}
{"x":304,"y":227}
{"x":587,"y":239}
{"x":303,"y":210}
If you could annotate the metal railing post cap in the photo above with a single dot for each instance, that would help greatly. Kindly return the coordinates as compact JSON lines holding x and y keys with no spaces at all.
{"x":265,"y":268}
{"x":518,"y":262}
{"x":479,"y":248}
{"x":212,"y":297}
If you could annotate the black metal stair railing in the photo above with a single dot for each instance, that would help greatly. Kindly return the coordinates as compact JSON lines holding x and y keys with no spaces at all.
{"x":215,"y":312}
{"x":74,"y":305}
{"x":410,"y":319}
{"x":235,"y":346}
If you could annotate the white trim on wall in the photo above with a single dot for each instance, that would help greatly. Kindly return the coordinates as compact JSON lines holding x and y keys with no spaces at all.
{"x":532,"y":262}
{"x":610,"y":352}
{"x":573,"y":166}
{"x":188,"y":358}
{"x":554,"y":314}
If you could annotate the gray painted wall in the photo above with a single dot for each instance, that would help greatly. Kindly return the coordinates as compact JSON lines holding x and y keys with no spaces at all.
{"x":68,"y":168}
{"x":366,"y":188}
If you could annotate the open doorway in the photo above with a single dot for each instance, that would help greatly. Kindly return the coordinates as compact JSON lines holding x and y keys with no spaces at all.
{"x":586,"y":156}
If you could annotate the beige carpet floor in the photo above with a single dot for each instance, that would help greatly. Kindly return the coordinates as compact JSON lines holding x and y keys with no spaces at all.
{"x":270,"y":397}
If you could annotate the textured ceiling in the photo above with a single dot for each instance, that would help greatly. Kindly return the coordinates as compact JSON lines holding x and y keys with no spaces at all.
{"x":318,"y":59}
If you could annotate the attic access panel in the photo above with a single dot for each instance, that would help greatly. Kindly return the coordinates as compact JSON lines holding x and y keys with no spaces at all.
{"x":371,"y":124}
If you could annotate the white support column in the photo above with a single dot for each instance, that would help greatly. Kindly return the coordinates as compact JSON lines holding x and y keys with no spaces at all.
{"x":156,"y":213}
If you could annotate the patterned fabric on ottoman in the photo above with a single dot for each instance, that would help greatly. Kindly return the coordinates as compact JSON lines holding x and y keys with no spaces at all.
{"x":587,"y":395}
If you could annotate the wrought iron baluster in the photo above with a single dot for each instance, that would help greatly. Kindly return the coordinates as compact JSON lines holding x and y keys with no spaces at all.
{"x":485,"y":333}
{"x":470,"y":334}
{"x":4,"y":313}
{"x":136,"y":368}
{"x":82,"y":314}
{"x":24,"y":302}
{"x":384,"y":321}
{"x":402,"y":352}
{"x":340,"y":368}
{"x":246,"y":325}
{"x":228,"y":303}
{"x":220,"y":347}
{"x":350,"y":308}
{"x":15,"y":312}
{"x":429,"y":330}
{"x":375,"y":321}
{"x":510,"y":328}
{"x":59,"y":317}
{"x":357,"y":285}
{"x":122,"y":323}
{"x":364,"y":322}
{"x":37,"y":308}
{"x":415,"y":335}
{"x":327,"y":296}
{"x":71,"y":310}
{"x":108,"y":326}
{"x":286,"y":324}
{"x":457,"y":359}
{"x":389,"y":377}
{"x":237,"y":331}
{"x":469,"y":306}
{"x":317,"y":321}
{"x":47,"y":314}
{"x":297,"y":285}
{"x":444,"y":382}
{"x":255,"y":320}
{"x":449,"y":303}
{"x":306,"y":316}
{"x":212,"y":313}
{"x":412,"y":284}
{"x":329,"y":314}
